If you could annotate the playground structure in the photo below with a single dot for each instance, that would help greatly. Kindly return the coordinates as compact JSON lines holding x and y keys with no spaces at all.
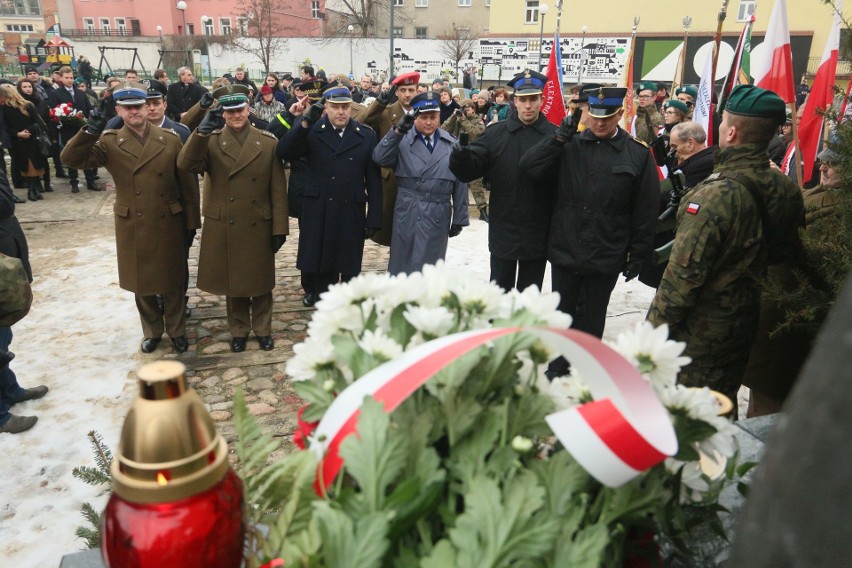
{"x":46,"y":55}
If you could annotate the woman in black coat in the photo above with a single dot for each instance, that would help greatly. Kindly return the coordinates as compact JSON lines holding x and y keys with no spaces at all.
{"x":22,"y":124}
{"x":28,"y":91}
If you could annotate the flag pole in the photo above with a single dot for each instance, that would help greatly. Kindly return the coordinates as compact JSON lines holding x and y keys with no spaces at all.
{"x":717,"y":39}
{"x":797,"y":156}
{"x":628,"y":76}
{"x":677,"y":80}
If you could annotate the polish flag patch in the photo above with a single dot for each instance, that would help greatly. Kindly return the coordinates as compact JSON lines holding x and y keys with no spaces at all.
{"x":693,"y":208}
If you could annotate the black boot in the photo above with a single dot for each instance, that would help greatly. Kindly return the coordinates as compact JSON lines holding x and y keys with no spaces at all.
{"x":16,"y":199}
{"x":75,"y":186}
{"x":60,"y":172}
{"x":483,"y":213}
{"x":39,"y":189}
{"x":46,"y":179}
{"x":32,"y":192}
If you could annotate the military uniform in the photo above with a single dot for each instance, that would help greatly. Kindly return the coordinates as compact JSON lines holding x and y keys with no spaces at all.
{"x":474,"y":127}
{"x":244,"y":205}
{"x":709,"y":294}
{"x":154,"y":207}
{"x":647,"y":123}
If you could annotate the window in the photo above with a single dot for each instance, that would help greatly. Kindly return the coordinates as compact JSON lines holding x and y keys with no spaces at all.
{"x":398,"y":2}
{"x":397,"y":32}
{"x":531,"y":14}
{"x":421,"y":33}
{"x":225,"y":26}
{"x":105,"y":24}
{"x":20,"y":8}
{"x":487,"y":3}
{"x":207,"y":26}
{"x":315,"y":9}
{"x":421,"y":3}
{"x":19,"y":28}
{"x":745,"y":10}
{"x":89,"y":25}
{"x":464,"y":3}
{"x":121,"y":25}
{"x":242,"y":26}
{"x":190,"y":29}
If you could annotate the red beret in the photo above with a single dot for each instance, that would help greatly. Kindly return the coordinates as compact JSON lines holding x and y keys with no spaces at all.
{"x":407,"y":79}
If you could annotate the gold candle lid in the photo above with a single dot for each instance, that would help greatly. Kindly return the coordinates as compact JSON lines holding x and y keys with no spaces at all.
{"x":169,"y":447}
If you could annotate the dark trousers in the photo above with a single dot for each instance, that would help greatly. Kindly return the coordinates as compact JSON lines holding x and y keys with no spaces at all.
{"x":10,"y":390}
{"x":249,"y":314}
{"x":318,"y":282}
{"x":520,"y":274}
{"x":585,"y":298}
{"x":172,"y":319}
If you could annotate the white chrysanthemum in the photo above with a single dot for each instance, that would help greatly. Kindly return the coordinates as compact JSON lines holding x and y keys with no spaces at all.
{"x":379,"y":345}
{"x":437,"y":321}
{"x":696,"y":403}
{"x":440,"y":281}
{"x":653,"y":353}
{"x":569,"y":391}
{"x":478,"y":298}
{"x":326,"y":323}
{"x":308,"y":357}
{"x":723,"y":441}
{"x":693,"y":483}
{"x":542,"y":305}
{"x":403,"y":289}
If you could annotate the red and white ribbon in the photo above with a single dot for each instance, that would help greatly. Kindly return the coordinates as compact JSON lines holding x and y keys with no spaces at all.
{"x":624,"y":431}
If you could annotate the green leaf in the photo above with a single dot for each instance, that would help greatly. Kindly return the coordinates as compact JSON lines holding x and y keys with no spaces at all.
{"x":562,"y":478}
{"x":527,"y":416}
{"x":316,"y":396}
{"x":400,"y":330}
{"x":375,"y":456}
{"x":468,"y":455}
{"x":443,"y":556}
{"x":347,"y":545}
{"x":587,"y":548}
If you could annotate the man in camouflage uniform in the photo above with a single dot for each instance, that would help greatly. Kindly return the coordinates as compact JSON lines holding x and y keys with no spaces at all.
{"x":466,"y":120}
{"x":741,"y":219}
{"x":648,"y":120}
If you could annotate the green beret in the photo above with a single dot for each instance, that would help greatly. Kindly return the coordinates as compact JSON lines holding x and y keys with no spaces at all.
{"x":690,"y":90}
{"x":748,"y":100}
{"x":646,"y":86}
{"x":674,"y":103}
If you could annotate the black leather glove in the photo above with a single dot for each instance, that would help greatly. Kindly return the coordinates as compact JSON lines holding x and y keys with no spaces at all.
{"x":369,"y":232}
{"x":461,"y":146}
{"x":406,"y":122}
{"x":189,"y":237}
{"x":385,"y":97}
{"x":632,"y":268}
{"x":97,"y":122}
{"x":568,"y":128}
{"x":455,"y":230}
{"x":278,"y":242}
{"x":314,"y":112}
{"x":211,"y":121}
{"x":206,"y":100}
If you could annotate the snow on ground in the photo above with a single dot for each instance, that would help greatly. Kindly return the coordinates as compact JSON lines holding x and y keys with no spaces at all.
{"x":82,"y":340}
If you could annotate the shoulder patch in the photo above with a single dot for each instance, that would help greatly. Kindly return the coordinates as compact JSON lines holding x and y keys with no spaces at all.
{"x":642,"y":142}
{"x":692,"y":208}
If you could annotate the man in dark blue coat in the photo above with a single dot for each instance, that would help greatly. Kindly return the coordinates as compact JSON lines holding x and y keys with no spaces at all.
{"x":67,"y":93}
{"x":342,"y":199}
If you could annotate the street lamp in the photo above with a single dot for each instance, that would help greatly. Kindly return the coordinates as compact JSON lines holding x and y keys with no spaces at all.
{"x":584,"y":29}
{"x":350,"y":28}
{"x":182,"y":7}
{"x":160,"y":31}
{"x":542,"y":10}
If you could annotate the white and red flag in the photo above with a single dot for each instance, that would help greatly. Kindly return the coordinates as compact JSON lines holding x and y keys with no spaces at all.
{"x":774,"y":69}
{"x":552,"y":101}
{"x":703,"y":113}
{"x":820,"y":98}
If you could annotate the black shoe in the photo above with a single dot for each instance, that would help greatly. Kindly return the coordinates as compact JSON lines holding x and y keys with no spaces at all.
{"x":16,"y":199}
{"x":93,"y":186}
{"x":309,"y":300}
{"x":149,"y":344}
{"x":483,"y":214}
{"x":33,"y":393}
{"x":60,"y":173}
{"x":180,"y":344}
{"x":266,"y":342}
{"x":75,"y":187}
{"x":187,"y":311}
{"x":238,"y":344}
{"x":32,"y":195}
{"x":48,"y":188}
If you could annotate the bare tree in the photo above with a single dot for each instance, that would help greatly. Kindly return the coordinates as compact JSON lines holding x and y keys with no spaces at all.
{"x":259,"y":28}
{"x":458,"y":43}
{"x":363,"y":15}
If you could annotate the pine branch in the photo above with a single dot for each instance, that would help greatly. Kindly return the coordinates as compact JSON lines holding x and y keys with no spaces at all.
{"x":103,"y":455}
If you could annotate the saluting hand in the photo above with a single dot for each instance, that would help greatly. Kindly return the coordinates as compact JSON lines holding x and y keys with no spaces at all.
{"x":211,"y":121}
{"x":385,"y":97}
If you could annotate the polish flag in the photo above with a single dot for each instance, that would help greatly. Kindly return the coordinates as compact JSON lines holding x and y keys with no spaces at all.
{"x":820,"y":98}
{"x":553,"y":103}
{"x":703,"y":112}
{"x":774,"y":70}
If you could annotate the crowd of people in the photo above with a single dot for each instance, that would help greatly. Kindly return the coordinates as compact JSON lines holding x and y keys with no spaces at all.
{"x":394,"y":163}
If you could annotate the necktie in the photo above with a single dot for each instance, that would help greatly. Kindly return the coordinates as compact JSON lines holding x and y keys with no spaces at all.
{"x":428,"y":141}
{"x":339,"y":132}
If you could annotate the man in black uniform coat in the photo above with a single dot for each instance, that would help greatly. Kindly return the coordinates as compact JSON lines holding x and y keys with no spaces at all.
{"x":520,"y":209}
{"x":607,"y":200}
{"x":182,"y":95}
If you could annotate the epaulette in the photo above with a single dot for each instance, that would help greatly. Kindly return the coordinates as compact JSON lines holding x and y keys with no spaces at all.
{"x":367,"y":126}
{"x":172,"y":130}
{"x":639,"y":141}
{"x":493,"y":123}
{"x":217,"y":131}
{"x":267,"y":133}
{"x":110,"y":131}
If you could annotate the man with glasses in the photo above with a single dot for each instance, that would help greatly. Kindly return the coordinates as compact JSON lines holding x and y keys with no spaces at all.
{"x":648,"y":120}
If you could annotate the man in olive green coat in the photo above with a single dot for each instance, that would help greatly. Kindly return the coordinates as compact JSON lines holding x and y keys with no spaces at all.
{"x":743,"y":218}
{"x":245,"y":215}
{"x":381,"y":116}
{"x":156,"y":210}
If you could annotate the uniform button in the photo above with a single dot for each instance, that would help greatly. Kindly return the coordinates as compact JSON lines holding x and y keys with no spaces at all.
{"x":139,"y":214}
{"x":138,"y":193}
{"x":332,"y":177}
{"x":231,"y":221}
{"x":230,"y":199}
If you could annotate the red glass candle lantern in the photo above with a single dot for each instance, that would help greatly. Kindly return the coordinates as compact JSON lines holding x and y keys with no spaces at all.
{"x":176,"y":501}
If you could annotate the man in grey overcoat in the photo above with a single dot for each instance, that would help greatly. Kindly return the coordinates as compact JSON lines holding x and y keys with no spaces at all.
{"x":431,"y":203}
